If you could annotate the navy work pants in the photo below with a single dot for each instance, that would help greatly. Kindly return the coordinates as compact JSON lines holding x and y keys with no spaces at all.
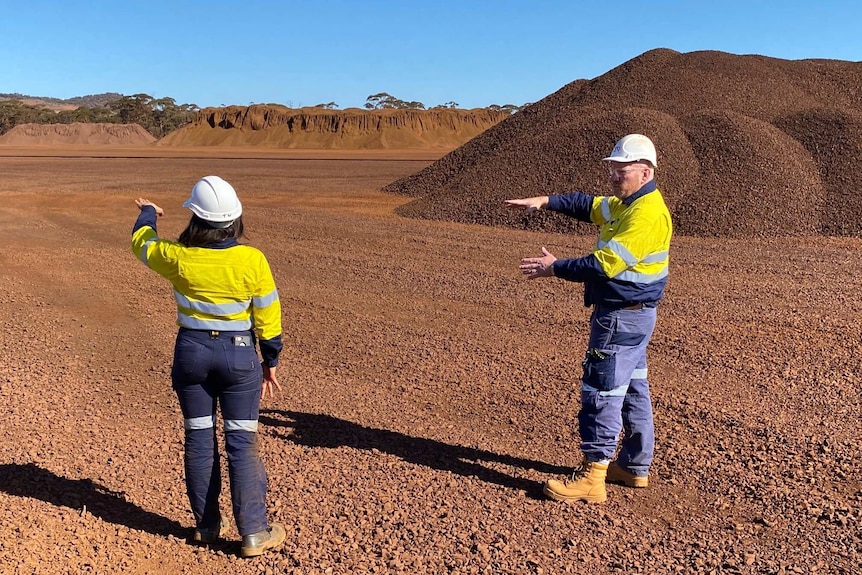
{"x":615,"y":394}
{"x":212,"y":368}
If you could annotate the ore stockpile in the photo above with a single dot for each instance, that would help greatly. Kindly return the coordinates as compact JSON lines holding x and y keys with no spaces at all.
{"x":748,"y":146}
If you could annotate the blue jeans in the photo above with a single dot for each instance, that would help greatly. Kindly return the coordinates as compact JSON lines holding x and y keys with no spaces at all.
{"x":615,"y":391}
{"x":208,"y":370}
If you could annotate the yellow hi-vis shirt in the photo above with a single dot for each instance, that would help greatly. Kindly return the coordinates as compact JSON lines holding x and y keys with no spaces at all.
{"x":634,"y":240}
{"x":630,"y":262}
{"x":220,"y":289}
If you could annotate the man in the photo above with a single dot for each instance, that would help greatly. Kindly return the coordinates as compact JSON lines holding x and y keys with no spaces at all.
{"x":624,"y":279}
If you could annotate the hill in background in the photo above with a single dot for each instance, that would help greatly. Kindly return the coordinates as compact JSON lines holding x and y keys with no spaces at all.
{"x":78,"y":133}
{"x":747,"y":146}
{"x":274,"y":126}
{"x":58,"y":105}
{"x":262,"y":125}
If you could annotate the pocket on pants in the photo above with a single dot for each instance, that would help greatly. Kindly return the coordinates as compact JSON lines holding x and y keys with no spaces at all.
{"x":600,"y":369}
{"x":242,"y":359}
{"x":188,"y":360}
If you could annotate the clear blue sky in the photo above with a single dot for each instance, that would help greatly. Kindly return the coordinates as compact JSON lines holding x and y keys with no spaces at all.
{"x":305,"y":52}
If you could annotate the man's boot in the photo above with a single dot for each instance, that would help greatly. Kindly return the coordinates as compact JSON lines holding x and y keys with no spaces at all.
{"x":617,"y":474}
{"x":256,"y":543}
{"x":587,"y":484}
{"x":209,"y":535}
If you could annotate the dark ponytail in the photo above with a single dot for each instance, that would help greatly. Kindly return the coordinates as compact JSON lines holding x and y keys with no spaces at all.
{"x":199,"y":233}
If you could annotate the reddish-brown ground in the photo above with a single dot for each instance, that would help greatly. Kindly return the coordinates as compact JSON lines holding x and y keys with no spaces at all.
{"x":428,"y":388}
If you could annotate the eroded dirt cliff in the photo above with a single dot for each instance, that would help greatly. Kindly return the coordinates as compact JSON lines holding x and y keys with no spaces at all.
{"x":274,"y":126}
{"x":77,"y":133}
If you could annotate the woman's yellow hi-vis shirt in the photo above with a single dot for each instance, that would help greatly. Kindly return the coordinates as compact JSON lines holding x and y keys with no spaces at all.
{"x":227,"y":287}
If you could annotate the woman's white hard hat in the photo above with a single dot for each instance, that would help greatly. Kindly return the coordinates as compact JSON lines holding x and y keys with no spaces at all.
{"x":215,"y":201}
{"x":632,"y":148}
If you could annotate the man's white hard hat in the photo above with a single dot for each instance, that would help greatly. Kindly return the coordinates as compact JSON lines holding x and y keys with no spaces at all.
{"x":632,"y":148}
{"x":215,"y":201}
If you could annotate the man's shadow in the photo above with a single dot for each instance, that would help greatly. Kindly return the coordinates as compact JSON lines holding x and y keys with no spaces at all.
{"x":317,"y":430}
{"x":30,"y":480}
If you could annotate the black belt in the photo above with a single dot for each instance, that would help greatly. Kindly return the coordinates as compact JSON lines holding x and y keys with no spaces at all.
{"x":627,"y":306}
{"x":216,"y":334}
{"x":240,"y":340}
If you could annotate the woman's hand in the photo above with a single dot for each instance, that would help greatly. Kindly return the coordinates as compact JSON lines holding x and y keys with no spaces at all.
{"x":269,"y":380}
{"x":141,"y":202}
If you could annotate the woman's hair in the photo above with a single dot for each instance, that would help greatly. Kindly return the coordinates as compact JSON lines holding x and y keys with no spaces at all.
{"x":199,"y":233}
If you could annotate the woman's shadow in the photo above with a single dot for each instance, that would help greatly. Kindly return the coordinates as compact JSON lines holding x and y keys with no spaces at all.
{"x":317,"y":430}
{"x":84,"y":495}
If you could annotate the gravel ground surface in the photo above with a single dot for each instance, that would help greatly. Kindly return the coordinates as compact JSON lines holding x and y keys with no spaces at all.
{"x":428,"y":389}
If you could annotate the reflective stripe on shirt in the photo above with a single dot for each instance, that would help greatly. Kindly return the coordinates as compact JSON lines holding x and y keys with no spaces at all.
{"x":230,"y":308}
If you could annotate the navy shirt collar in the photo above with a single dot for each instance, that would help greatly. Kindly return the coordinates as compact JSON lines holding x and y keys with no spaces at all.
{"x":644,"y":190}
{"x":225,"y":243}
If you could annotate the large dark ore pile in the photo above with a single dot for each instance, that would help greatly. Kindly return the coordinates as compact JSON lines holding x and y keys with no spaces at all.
{"x":747,"y":146}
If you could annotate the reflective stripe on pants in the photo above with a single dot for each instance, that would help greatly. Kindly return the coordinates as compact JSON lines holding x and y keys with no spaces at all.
{"x":615,"y":390}
{"x":208,"y":372}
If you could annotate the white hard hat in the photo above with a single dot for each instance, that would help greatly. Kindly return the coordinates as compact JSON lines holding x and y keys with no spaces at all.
{"x":632,"y":148}
{"x":215,"y":201}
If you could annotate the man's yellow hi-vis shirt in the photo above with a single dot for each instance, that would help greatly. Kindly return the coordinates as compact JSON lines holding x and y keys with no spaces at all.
{"x":224,"y":287}
{"x":630,"y":262}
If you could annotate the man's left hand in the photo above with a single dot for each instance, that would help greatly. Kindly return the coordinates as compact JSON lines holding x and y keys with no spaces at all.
{"x":538,"y":267}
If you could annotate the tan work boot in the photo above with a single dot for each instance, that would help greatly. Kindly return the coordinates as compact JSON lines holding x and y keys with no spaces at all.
{"x":209,"y":535}
{"x":587,"y":484}
{"x":256,"y":543}
{"x":617,"y":474}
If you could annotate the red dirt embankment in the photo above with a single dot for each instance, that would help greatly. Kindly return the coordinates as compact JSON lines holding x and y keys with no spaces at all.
{"x":273,"y":126}
{"x":77,"y":133}
{"x":747,"y":146}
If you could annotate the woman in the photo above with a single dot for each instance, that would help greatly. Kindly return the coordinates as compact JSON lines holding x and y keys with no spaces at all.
{"x":226,"y":303}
